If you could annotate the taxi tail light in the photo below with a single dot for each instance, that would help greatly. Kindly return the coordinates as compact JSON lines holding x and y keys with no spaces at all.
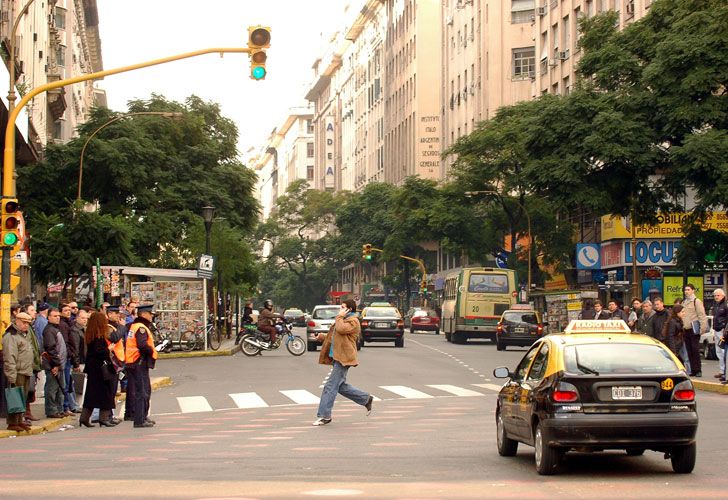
{"x":312,"y":324}
{"x":684,"y":391}
{"x":539,"y":329}
{"x":565,"y":393}
{"x":400,"y":323}
{"x":499,"y":328}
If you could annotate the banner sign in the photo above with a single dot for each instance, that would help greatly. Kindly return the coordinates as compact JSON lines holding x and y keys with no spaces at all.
{"x":668,"y":226}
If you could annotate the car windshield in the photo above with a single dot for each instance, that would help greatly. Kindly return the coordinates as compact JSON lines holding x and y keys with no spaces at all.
{"x":326,"y":313}
{"x":293,"y":312}
{"x":616,"y":358}
{"x":488,"y":283}
{"x":521,"y":317}
{"x":419,"y":313}
{"x":382,"y":312}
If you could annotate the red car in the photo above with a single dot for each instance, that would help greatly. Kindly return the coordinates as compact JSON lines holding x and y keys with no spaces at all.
{"x":423,"y":319}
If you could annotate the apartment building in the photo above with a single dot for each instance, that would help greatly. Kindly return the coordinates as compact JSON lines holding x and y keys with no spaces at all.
{"x":557,"y":36}
{"x":488,"y":61}
{"x":287,"y":156}
{"x":55,"y":40}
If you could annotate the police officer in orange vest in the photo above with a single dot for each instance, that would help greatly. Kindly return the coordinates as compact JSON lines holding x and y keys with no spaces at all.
{"x":140,"y":358}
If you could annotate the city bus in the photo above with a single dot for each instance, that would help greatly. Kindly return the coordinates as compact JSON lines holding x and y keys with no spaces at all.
{"x":474,"y":299}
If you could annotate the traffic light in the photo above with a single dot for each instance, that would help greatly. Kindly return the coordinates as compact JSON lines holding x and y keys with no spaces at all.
{"x":10,"y":222}
{"x":14,"y":273}
{"x":366,"y":252}
{"x":258,"y":41}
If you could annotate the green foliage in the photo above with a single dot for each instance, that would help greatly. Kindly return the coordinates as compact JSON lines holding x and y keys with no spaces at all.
{"x":154,"y":173}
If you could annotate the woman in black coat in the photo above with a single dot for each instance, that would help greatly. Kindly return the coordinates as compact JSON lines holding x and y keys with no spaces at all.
{"x":100,"y":390}
{"x":672,"y":331}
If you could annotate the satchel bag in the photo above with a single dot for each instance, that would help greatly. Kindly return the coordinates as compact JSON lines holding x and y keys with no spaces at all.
{"x":108,"y":372}
{"x":15,"y":399}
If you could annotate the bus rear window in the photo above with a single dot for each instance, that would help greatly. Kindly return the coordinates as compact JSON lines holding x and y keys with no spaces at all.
{"x":488,"y":283}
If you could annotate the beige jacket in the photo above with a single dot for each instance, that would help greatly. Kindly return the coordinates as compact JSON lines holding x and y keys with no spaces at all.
{"x":344,"y":333}
{"x":17,"y":354}
{"x":694,"y":309}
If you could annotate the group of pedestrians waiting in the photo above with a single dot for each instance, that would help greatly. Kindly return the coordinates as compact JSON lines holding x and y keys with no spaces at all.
{"x":109,"y":343}
{"x":679,"y":326}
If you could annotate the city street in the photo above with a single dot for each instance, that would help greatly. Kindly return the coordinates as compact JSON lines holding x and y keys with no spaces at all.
{"x":240,"y":427}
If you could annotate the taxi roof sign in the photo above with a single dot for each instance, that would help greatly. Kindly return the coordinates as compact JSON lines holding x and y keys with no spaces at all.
{"x":597,"y":326}
{"x":521,"y":307}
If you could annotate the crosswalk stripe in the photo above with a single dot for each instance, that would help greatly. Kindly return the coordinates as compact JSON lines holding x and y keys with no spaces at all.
{"x":405,"y":392}
{"x":457,"y":391}
{"x":492,"y":387}
{"x":193,"y":404}
{"x":301,"y":397}
{"x":248,"y":400}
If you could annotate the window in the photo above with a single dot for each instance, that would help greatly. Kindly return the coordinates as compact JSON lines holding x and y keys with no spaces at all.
{"x":309,"y":173}
{"x":60,"y":18}
{"x":522,"y":368}
{"x":538,"y":368}
{"x":309,"y":126}
{"x":566,"y":45}
{"x":61,"y":55}
{"x":524,"y":62}
{"x":488,"y":283}
{"x":522,"y":11}
{"x":309,"y":149}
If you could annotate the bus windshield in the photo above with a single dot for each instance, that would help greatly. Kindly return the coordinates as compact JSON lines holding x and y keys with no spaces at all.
{"x":488,"y":283}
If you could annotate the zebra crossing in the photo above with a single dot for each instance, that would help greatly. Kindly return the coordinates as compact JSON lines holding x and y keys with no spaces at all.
{"x":249,"y":400}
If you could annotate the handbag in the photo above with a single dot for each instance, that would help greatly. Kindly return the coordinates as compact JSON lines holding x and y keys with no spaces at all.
{"x":721,"y":343}
{"x":108,"y":372}
{"x":15,"y":399}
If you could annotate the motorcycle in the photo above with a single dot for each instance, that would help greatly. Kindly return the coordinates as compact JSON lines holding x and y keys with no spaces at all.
{"x":256,"y":342}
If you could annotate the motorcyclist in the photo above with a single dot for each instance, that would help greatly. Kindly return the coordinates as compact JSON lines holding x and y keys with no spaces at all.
{"x":267,"y":320}
{"x":248,"y":313}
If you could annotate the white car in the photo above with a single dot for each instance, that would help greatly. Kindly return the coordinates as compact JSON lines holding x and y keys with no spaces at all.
{"x":707,"y":341}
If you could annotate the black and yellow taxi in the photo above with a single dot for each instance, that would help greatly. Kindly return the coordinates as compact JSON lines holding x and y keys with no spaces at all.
{"x":596,"y":387}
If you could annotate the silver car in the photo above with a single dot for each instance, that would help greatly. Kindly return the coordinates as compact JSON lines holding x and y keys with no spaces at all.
{"x":321,"y":320}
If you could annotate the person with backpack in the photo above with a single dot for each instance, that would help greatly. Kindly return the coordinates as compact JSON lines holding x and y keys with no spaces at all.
{"x":695,"y":322}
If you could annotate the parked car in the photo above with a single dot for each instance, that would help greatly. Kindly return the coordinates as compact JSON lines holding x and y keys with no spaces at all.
{"x":597,"y":387}
{"x":419,"y":318}
{"x":295,"y":316}
{"x":518,"y":327}
{"x":382,"y":324}
{"x":320,"y":321}
{"x":707,"y":342}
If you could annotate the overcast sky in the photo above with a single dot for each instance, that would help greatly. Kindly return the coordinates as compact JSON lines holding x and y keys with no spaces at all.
{"x":135,"y":31}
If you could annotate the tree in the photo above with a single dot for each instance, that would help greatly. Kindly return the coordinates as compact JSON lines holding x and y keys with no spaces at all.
{"x":302,"y":248}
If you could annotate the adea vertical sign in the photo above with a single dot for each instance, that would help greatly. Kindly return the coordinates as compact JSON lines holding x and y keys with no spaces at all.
{"x":429,"y":147}
{"x":329,"y":175}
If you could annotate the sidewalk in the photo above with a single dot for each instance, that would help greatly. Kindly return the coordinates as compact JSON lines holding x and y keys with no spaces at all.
{"x":50,"y":424}
{"x":227,"y":348}
{"x":708,"y":382}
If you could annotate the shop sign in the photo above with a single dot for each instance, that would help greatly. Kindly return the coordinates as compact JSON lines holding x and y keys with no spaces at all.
{"x":611,"y":254}
{"x":652,"y":252}
{"x":654,"y":273}
{"x":668,"y":225}
{"x":330,"y":135}
{"x":674,"y":288}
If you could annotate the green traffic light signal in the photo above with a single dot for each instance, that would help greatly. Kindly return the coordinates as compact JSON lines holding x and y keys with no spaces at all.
{"x":10,"y":239}
{"x":258,"y":72}
{"x":368,"y":257}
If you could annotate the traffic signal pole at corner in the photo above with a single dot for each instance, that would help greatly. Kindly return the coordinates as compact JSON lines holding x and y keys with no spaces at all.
{"x":366,"y":254}
{"x":9,"y":174}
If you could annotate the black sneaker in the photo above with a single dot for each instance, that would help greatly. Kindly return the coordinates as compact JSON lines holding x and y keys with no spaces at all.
{"x":368,"y":406}
{"x":144,"y":424}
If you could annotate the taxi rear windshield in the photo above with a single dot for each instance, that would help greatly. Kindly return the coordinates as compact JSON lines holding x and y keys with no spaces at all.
{"x":326,"y":313}
{"x":488,"y":283}
{"x":521,"y":317}
{"x":618,"y":359}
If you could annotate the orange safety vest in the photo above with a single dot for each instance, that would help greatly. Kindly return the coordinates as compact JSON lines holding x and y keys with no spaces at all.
{"x":132,"y":351}
{"x":117,"y":349}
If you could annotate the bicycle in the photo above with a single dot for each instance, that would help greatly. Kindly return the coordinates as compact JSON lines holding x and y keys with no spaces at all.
{"x":196,"y":336}
{"x":165,"y":340}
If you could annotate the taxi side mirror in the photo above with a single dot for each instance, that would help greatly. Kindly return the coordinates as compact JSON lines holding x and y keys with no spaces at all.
{"x":501,"y":372}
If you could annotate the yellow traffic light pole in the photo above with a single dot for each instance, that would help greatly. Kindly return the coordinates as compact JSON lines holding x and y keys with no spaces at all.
{"x":419,"y":263}
{"x":9,"y":174}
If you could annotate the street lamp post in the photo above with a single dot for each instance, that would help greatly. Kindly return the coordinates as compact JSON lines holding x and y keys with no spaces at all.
{"x":165,"y":114}
{"x":470,"y":194}
{"x":208,"y":214}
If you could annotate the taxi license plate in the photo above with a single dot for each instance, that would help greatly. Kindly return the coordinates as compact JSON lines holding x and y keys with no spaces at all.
{"x":381,"y":325}
{"x":627,"y":392}
{"x":519,"y":330}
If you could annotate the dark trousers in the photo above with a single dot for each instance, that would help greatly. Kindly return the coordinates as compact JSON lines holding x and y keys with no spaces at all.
{"x":129,"y":402}
{"x":270,"y":330}
{"x":139,"y":379}
{"x":22,"y":381}
{"x":692,"y":345}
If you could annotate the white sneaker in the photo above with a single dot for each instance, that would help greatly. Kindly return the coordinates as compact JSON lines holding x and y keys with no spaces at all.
{"x":321,"y":421}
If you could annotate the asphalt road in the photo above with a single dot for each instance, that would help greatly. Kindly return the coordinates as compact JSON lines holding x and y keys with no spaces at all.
{"x":240,"y":427}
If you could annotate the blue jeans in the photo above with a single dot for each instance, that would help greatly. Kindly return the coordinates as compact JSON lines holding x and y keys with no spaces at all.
{"x":69,"y":396}
{"x":719,"y":353}
{"x":685,"y":358}
{"x":53,"y":393}
{"x":337,"y":385}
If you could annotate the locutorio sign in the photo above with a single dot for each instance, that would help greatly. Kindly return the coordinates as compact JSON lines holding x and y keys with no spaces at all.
{"x":668,"y":226}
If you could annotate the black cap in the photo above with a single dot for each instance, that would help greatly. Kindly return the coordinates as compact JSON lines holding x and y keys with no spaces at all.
{"x":112,"y":309}
{"x":43,"y":306}
{"x":145,"y":308}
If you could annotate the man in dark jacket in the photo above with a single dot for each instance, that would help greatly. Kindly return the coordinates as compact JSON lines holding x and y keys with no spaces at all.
{"x":72,"y":362}
{"x":53,"y":360}
{"x":658,"y":319}
{"x":720,"y":321}
{"x":120,"y":332}
{"x":616,"y":312}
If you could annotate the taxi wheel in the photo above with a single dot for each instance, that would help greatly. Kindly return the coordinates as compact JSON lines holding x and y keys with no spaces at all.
{"x":547,"y":457}
{"x":683,"y":458}
{"x":448,"y":337}
{"x":506,"y":447}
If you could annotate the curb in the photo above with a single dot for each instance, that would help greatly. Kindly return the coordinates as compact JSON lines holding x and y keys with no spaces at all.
{"x":710,"y":386}
{"x":48,"y":425}
{"x":200,"y":354}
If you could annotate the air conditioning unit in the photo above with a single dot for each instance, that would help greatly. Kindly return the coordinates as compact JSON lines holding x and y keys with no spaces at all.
{"x":630,"y":8}
{"x":449,"y":20}
{"x":552,"y":63}
{"x":563,"y":55}
{"x":541,"y":11}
